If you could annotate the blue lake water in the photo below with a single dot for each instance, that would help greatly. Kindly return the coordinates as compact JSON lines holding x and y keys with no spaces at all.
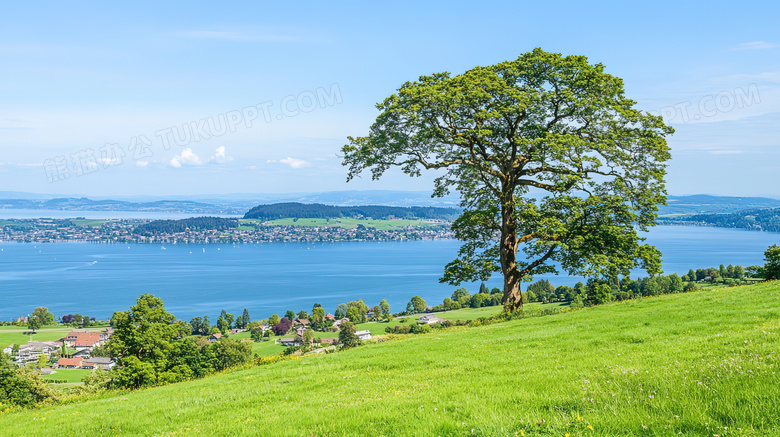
{"x":196,"y":280}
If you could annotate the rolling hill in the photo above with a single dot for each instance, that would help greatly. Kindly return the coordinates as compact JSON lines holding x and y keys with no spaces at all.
{"x":701,"y":363}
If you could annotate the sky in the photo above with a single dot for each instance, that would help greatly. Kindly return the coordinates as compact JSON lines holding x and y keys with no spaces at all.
{"x":183,"y":98}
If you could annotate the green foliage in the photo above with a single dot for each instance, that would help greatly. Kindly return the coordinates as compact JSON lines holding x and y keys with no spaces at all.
{"x":601,"y":294}
{"x":341,"y":311}
{"x":43,"y":316}
{"x":244,"y":320}
{"x":151,"y":349}
{"x":416,"y":305}
{"x":33,"y":324}
{"x":274,"y":319}
{"x":357,"y":311}
{"x":385,"y":307}
{"x":223,"y":325}
{"x":195,"y":224}
{"x":21,"y":386}
{"x":541,"y":291}
{"x":460,"y":293}
{"x":200,"y":326}
{"x":347,"y":337}
{"x":554,"y":123}
{"x":318,"y":316}
{"x":771,"y":269}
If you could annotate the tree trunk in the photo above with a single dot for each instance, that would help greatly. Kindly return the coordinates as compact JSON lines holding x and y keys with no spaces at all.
{"x":513,"y":298}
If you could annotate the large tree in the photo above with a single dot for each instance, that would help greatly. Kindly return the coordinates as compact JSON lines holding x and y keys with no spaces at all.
{"x":550,"y":159}
{"x":143,"y":339}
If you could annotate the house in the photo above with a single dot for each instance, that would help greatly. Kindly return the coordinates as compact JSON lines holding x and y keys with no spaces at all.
{"x":22,"y":319}
{"x":300,"y":331}
{"x":105,"y":335}
{"x":236,"y":331}
{"x":9,"y":349}
{"x":29,"y":352}
{"x":340,"y":321}
{"x":215,"y":337}
{"x":363,"y":335}
{"x":291,"y":341}
{"x":330,"y":341}
{"x":104,"y":363}
{"x":430,"y":319}
{"x":330,"y":317}
{"x":83,"y":340}
{"x":69,"y":363}
{"x":301,"y":322}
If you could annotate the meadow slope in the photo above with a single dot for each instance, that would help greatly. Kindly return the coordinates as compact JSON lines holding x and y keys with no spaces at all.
{"x":701,"y":363}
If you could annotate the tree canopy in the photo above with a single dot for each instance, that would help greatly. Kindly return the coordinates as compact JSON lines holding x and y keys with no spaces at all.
{"x":550,"y":159}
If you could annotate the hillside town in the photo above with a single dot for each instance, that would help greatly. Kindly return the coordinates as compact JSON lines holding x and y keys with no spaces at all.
{"x":74,"y":351}
{"x":46,"y":230}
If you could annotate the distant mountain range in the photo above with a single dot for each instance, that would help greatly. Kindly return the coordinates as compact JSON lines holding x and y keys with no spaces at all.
{"x":318,"y":210}
{"x":239,"y":204}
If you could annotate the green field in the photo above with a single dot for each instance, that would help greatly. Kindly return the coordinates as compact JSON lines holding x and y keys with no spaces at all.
{"x":700,"y":363}
{"x":89,"y":222}
{"x":69,"y":375}
{"x":344,"y":222}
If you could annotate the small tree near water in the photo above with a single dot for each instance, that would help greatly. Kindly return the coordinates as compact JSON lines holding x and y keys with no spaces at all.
{"x":347,"y":336}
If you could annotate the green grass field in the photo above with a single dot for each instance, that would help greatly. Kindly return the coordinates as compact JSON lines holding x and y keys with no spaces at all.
{"x":344,"y":222}
{"x":69,"y":375}
{"x":90,"y":222}
{"x":702,"y":363}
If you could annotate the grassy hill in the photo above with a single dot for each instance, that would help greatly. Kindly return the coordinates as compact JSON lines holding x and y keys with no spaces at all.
{"x":701,"y":363}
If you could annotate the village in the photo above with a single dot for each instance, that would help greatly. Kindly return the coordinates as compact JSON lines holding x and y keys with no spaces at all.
{"x":47,"y":230}
{"x":79,"y":348}
{"x":74,"y":351}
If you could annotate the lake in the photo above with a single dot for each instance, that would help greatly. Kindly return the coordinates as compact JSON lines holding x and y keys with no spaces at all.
{"x":196,"y":280}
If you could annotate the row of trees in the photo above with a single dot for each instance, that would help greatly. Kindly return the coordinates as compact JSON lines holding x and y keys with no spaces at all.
{"x":225,"y":322}
{"x":715,"y":275}
{"x":194,"y":224}
{"x":461,"y":298}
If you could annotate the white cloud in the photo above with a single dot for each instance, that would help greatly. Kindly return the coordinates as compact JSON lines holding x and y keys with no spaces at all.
{"x":109,"y":161}
{"x":756,"y":45}
{"x":142,"y":163}
{"x":220,"y":156}
{"x":186,"y":157}
{"x":295,"y":163}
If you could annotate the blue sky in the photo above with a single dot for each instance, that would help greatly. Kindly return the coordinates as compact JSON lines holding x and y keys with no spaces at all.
{"x":263,"y":95}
